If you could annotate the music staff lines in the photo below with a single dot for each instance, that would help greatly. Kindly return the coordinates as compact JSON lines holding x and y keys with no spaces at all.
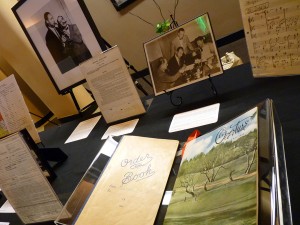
{"x":280,"y":43}
{"x":277,"y":61}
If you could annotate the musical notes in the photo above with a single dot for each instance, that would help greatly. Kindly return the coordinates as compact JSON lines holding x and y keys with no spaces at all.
{"x":273,"y":35}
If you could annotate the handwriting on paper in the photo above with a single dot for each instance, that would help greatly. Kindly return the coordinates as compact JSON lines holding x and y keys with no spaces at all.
{"x":139,"y":168}
{"x":273,"y":35}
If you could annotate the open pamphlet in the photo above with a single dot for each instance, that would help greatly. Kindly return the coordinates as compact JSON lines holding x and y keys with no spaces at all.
{"x":235,"y":174}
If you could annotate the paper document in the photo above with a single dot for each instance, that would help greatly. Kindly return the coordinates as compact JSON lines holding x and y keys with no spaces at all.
{"x":112,"y":86}
{"x":4,"y":223}
{"x":272,"y":31}
{"x":120,"y":129}
{"x":83,"y":129}
{"x":195,"y":118}
{"x":24,"y":184}
{"x":14,"y":114}
{"x":132,"y":185}
{"x":7,"y":208}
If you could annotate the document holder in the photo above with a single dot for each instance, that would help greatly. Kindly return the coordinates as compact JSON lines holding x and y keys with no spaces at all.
{"x":84,"y":188}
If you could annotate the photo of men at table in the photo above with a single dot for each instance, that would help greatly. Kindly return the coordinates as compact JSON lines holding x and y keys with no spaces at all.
{"x":180,"y":58}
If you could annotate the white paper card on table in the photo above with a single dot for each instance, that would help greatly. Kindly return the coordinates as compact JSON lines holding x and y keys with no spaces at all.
{"x":4,"y":223}
{"x":195,"y":118}
{"x":167,"y":198}
{"x":111,"y":83}
{"x":7,"y":208}
{"x":83,"y":129}
{"x":120,"y":129}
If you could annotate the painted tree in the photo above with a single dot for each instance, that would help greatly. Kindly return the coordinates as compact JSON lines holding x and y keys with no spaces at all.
{"x":248,"y":152}
{"x":188,"y":183}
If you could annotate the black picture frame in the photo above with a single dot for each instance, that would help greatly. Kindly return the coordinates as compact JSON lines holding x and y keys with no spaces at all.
{"x":60,"y":51}
{"x":194,"y":65}
{"x":120,"y":4}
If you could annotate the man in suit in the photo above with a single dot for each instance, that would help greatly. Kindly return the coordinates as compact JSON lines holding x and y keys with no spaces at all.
{"x":176,"y":63}
{"x":74,"y":45}
{"x":54,"y":39}
{"x":183,"y":41}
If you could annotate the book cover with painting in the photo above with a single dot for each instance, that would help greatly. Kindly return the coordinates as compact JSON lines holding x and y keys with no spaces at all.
{"x":217,"y":179}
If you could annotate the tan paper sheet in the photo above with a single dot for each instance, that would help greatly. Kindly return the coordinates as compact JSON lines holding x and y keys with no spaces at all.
{"x":132,"y":186}
{"x":272,"y":30}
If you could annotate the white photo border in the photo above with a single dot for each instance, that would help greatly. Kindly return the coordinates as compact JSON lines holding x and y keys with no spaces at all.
{"x":30,"y":15}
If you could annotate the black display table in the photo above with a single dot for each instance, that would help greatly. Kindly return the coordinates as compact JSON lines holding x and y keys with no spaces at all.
{"x":238,"y":91}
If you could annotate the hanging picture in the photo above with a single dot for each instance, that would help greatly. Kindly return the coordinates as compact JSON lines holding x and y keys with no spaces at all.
{"x":183,"y":56}
{"x":120,"y":4}
{"x":63,"y":35}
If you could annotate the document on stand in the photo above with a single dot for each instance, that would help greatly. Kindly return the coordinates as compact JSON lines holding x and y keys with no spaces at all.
{"x":131,"y":188}
{"x":24,"y":184}
{"x":83,"y":129}
{"x":195,"y":118}
{"x":14,"y":114}
{"x":272,"y":31}
{"x":112,"y":86}
{"x":120,"y":129}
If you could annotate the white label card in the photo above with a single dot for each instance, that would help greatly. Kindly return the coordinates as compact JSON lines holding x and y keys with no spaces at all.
{"x":195,"y":118}
{"x":83,"y":129}
{"x":120,"y":129}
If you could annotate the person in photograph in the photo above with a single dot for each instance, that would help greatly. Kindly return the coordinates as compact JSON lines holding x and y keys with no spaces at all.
{"x":183,"y":41}
{"x":54,"y":39}
{"x":204,"y":51}
{"x":164,"y":80}
{"x":177,"y":62}
{"x":73,"y":42}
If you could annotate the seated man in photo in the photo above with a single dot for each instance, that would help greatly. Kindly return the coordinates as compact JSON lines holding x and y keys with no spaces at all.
{"x":164,"y":80}
{"x":177,"y":62}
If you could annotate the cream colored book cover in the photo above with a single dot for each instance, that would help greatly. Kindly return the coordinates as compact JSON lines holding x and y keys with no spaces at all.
{"x":132,"y":186}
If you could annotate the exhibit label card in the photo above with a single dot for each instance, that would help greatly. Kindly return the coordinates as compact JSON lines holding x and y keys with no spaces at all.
{"x":83,"y":129}
{"x":120,"y":129}
{"x":112,"y":86}
{"x":24,"y":184}
{"x":195,"y":118}
{"x":14,"y":114}
{"x":132,"y":186}
{"x":272,"y":31}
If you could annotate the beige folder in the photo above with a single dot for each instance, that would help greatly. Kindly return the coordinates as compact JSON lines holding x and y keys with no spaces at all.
{"x":131,"y":187}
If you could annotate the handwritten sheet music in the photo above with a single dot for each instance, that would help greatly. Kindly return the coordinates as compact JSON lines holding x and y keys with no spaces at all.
{"x":14,"y":114}
{"x":24,"y":184}
{"x":132,"y":186}
{"x":272,"y":29}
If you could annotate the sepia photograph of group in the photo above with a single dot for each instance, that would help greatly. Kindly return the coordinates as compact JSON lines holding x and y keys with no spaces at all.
{"x":183,"y":56}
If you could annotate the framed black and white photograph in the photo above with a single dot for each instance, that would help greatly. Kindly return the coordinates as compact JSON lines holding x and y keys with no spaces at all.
{"x":120,"y":4}
{"x":183,"y":56}
{"x":63,"y":35}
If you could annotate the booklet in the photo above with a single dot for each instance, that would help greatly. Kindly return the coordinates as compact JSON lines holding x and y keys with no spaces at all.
{"x":217,"y":179}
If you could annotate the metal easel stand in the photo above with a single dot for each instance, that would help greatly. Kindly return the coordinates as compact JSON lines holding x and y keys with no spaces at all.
{"x":178,"y":101}
{"x":213,"y":87}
